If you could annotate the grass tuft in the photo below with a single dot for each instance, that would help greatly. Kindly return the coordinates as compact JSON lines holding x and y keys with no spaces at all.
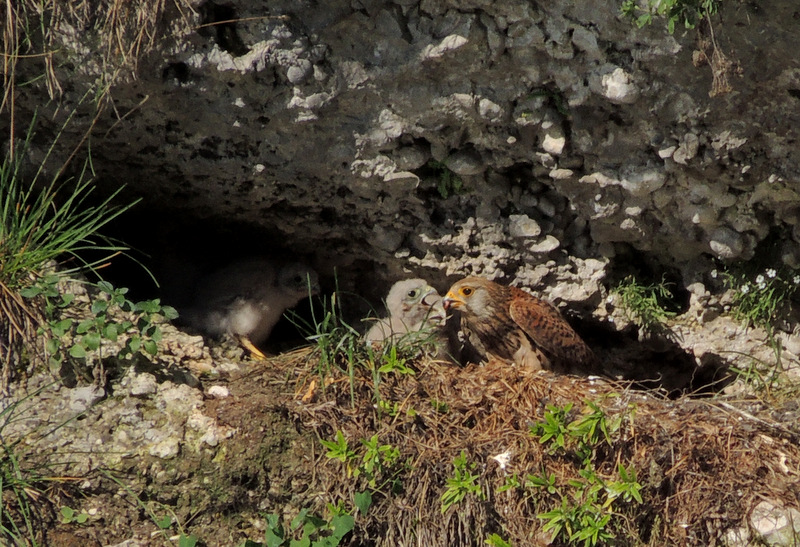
{"x":43,"y":224}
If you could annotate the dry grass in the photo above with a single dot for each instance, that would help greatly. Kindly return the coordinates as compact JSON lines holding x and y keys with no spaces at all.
{"x":19,"y":322}
{"x":703,"y":464}
{"x":39,"y":31}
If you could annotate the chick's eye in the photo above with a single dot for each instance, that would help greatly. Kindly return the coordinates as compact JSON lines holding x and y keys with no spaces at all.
{"x":466,"y":291}
{"x":413,"y":293}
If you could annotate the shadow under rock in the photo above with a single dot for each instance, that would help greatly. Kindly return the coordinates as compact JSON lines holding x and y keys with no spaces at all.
{"x":656,"y":361}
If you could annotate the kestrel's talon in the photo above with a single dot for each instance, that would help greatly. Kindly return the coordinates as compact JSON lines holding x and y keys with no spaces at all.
{"x":256,"y":353}
{"x":514,"y":326}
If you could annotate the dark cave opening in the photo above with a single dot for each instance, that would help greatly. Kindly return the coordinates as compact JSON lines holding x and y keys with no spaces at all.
{"x":178,"y":250}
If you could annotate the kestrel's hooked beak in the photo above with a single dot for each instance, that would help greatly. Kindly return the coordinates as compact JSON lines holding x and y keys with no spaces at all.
{"x":452,"y":301}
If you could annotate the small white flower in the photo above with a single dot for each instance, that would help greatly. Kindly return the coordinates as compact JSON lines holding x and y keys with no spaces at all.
{"x":713,"y":274}
{"x":796,"y":280}
{"x":771,"y":273}
{"x":762,"y":285}
{"x":760,"y":280}
{"x":502,"y":459}
{"x":744,"y":289}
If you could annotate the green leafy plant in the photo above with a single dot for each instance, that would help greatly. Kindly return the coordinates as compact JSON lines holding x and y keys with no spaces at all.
{"x":644,"y":304}
{"x":380,"y":464}
{"x":440,"y":406}
{"x":69,"y":516}
{"x":448,"y":183}
{"x":394,"y":363}
{"x":463,"y":483}
{"x":587,"y":503}
{"x":339,"y":449}
{"x":167,"y":519}
{"x":113,"y":317}
{"x":495,"y":540}
{"x":687,"y":13}
{"x":363,"y":501}
{"x":554,"y":427}
{"x":545,"y":481}
{"x":760,"y":299}
{"x":305,"y":530}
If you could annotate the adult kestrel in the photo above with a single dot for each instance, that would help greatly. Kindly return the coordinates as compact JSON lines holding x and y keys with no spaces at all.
{"x":246,"y":299}
{"x":412,"y":305}
{"x":509,"y":324}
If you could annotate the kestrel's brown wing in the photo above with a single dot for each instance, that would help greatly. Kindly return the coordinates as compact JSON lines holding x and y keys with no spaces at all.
{"x":550,"y":331}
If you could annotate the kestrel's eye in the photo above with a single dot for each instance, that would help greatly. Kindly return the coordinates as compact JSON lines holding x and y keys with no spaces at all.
{"x":413,"y":293}
{"x":466,"y":291}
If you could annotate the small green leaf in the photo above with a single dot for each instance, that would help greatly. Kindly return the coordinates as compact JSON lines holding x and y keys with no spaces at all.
{"x":82,"y":517}
{"x":84,"y":326}
{"x":77,"y":351}
{"x":342,"y":524}
{"x":164,"y":522}
{"x":67,"y":514}
{"x":150,"y":347}
{"x":99,"y":306}
{"x":91,"y":341}
{"x":299,"y":519}
{"x":60,"y":328}
{"x":30,"y":292}
{"x":363,"y":501}
{"x":106,"y":287}
{"x":110,"y":332}
{"x":169,"y":313}
{"x":134,"y":343}
{"x":187,"y":541}
{"x":52,"y":345}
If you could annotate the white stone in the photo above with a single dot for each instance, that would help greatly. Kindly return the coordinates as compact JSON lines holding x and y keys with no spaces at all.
{"x":736,"y":537}
{"x":687,"y":149}
{"x":554,"y":143}
{"x":726,"y":243}
{"x":81,"y":398}
{"x":777,"y":525}
{"x":490,"y":110}
{"x":561,"y":174}
{"x":297,"y":73}
{"x":667,"y":152}
{"x":618,"y":87}
{"x":143,"y":384}
{"x":523,"y":226}
{"x":449,"y":43}
{"x":218,"y":392}
{"x":166,"y":449}
{"x":549,"y":243}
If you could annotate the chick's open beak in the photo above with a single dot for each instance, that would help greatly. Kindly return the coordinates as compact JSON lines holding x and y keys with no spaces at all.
{"x":451,"y":301}
{"x":430,"y":297}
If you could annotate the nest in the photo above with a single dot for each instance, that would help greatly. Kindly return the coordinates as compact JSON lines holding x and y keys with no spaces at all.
{"x":701,"y":465}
